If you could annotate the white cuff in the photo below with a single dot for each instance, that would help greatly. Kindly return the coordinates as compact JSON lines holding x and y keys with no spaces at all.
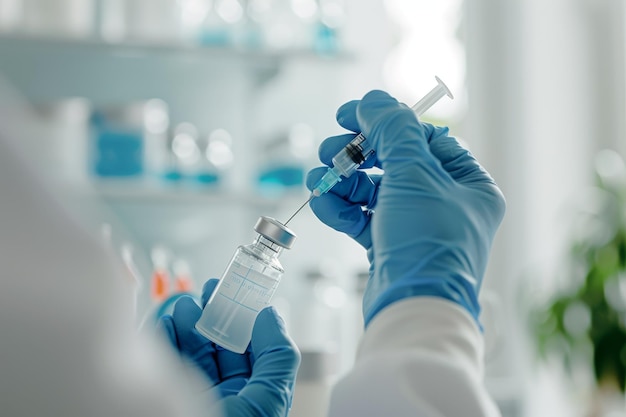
{"x":426,"y":324}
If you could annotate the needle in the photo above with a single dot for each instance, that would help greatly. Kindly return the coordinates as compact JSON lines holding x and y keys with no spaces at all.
{"x":300,"y":208}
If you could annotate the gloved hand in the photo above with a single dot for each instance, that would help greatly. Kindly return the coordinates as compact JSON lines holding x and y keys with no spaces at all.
{"x":259,"y":382}
{"x":428,"y":222}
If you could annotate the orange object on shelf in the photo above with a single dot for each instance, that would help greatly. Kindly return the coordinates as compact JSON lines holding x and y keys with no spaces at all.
{"x":183,"y":283}
{"x":160,"y":288}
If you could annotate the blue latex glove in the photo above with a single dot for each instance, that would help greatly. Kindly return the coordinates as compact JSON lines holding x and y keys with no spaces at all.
{"x":259,"y":382}
{"x":428,"y":222}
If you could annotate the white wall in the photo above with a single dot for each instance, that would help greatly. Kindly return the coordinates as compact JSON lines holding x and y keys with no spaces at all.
{"x":546,"y":90}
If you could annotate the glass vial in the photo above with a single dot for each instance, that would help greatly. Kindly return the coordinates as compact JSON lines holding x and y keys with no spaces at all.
{"x":247,"y":286}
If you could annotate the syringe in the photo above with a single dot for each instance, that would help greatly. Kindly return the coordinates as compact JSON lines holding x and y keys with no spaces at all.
{"x":346,"y":162}
{"x":359,"y":149}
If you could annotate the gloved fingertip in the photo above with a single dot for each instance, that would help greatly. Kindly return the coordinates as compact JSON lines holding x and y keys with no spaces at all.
{"x":231,"y":387}
{"x":233,"y":365}
{"x":377,"y":95}
{"x":187,"y":307}
{"x":270,"y":334}
{"x":207,"y":290}
{"x":313,"y":176}
{"x":271,"y":315}
{"x":165,"y":326}
{"x":434,"y":132}
{"x":346,"y":116}
{"x":269,"y":330}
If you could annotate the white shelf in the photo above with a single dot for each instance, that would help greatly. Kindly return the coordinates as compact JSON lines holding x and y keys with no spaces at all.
{"x":178,"y":48}
{"x":46,"y":69}
{"x":207,"y":86}
{"x":122,"y":191}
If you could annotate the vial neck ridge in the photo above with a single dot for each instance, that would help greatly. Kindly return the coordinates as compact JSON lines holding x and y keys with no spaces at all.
{"x":268,"y":247}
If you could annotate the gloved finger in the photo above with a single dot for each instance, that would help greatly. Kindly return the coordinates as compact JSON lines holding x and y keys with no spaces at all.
{"x":191,"y":343}
{"x":207,"y":290}
{"x":185,"y":315}
{"x":400,"y":141}
{"x":330,"y":146}
{"x":232,"y":365}
{"x":229,"y":387}
{"x":342,"y":207}
{"x":457,"y":160}
{"x":466,"y":170}
{"x":275,"y":364}
{"x":346,"y":116}
{"x":360,"y":189}
{"x":165,"y":326}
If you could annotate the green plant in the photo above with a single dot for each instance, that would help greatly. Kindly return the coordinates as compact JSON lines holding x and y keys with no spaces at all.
{"x":585,"y":322}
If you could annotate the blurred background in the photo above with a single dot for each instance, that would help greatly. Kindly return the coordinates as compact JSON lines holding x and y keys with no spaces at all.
{"x":170,"y":126}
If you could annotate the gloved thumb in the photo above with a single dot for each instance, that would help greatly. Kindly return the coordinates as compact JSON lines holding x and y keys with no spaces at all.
{"x":207,"y":290}
{"x":275,"y":359}
{"x":269,"y":333}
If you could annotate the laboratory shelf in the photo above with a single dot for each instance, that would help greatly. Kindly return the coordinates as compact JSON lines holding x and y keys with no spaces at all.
{"x":46,"y":69}
{"x":166,"y":194}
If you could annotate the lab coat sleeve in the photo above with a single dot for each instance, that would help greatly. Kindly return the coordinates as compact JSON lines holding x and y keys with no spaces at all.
{"x":68,"y":345}
{"x":420,"y":357}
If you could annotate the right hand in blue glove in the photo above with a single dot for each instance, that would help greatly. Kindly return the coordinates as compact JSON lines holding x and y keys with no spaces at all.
{"x":257,"y":383}
{"x":428,"y":222}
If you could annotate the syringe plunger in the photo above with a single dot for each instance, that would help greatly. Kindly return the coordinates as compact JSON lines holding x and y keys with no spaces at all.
{"x":431,"y":98}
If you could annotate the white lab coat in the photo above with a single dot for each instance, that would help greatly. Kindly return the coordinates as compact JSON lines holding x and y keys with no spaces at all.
{"x":420,"y":357}
{"x":68,"y":345}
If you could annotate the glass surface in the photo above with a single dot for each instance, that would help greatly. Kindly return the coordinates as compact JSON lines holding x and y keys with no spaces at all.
{"x":246,"y":287}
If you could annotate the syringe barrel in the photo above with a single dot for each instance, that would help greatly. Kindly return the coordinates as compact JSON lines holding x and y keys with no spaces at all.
{"x":352,"y":155}
{"x":348,"y":160}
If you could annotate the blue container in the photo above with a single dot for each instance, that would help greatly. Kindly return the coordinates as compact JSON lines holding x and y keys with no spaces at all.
{"x":118,"y":152}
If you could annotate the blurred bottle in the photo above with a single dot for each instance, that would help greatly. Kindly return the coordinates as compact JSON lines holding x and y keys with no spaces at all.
{"x":11,"y":15}
{"x":135,"y":279}
{"x":185,"y":156}
{"x":132,"y":278}
{"x":285,"y":160}
{"x":110,"y":20}
{"x":313,"y":384}
{"x":66,"y":127}
{"x":307,"y":14}
{"x":256,"y":12}
{"x":317,"y":312}
{"x":154,"y":21}
{"x":63,"y":18}
{"x":117,"y":145}
{"x":218,"y":157}
{"x":328,"y":28}
{"x":248,"y":34}
{"x":183,"y":282}
{"x":316,"y":325}
{"x":160,"y":281}
{"x":171,"y":279}
{"x":193,"y":15}
{"x":284,"y":24}
{"x":219,"y":26}
{"x":156,"y":124}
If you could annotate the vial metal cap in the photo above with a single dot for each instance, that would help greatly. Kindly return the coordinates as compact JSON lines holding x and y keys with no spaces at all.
{"x":275,"y":231}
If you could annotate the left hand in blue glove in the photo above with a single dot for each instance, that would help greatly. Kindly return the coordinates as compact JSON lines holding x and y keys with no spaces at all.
{"x":259,"y":382}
